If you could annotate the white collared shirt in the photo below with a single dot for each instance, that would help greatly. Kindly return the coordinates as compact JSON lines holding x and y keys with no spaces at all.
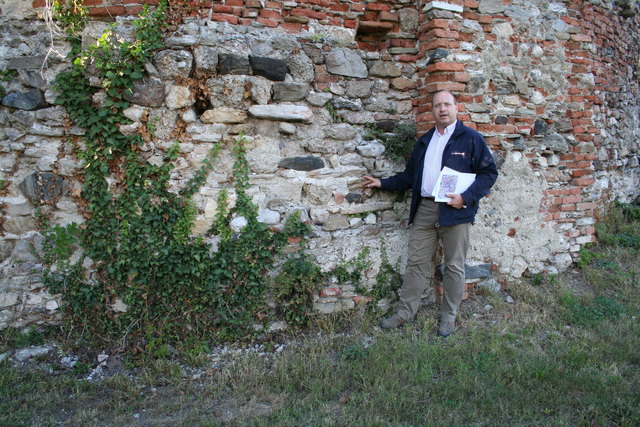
{"x":433,"y":159}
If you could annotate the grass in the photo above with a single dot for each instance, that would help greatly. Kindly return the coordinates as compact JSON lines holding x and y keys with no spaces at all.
{"x":565,"y":353}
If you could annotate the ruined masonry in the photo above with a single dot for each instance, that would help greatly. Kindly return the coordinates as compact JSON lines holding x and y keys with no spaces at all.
{"x":553,"y":87}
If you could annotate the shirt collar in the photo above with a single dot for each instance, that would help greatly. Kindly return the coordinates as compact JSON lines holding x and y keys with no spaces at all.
{"x":448,"y":129}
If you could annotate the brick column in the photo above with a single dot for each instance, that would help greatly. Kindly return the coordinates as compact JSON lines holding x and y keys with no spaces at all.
{"x":438,"y":35}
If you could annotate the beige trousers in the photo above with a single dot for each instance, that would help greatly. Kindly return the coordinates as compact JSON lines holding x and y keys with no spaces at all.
{"x":423,"y":242}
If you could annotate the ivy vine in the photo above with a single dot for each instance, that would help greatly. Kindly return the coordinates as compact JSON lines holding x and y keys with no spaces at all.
{"x":152,"y":281}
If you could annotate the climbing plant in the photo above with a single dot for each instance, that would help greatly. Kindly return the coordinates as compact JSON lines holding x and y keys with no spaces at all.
{"x":152,"y":282}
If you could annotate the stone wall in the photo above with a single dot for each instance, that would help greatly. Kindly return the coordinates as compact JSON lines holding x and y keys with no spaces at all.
{"x":553,"y":86}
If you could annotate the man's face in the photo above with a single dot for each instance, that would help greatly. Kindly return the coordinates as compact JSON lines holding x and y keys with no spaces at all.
{"x":444,"y":109}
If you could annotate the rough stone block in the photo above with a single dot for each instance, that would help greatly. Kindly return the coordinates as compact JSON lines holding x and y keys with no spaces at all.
{"x":172,"y":64}
{"x":346,"y":62}
{"x":233,"y":64}
{"x":270,"y":68}
{"x":30,"y":100}
{"x":287,"y":92}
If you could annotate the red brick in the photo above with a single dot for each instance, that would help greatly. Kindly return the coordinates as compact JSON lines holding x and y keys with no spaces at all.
{"x":237,"y":3}
{"x":444,"y":66}
{"x":330,"y":292}
{"x":339,"y":7}
{"x":388,"y":16}
{"x":435,"y":23}
{"x":581,"y":172}
{"x":460,"y":77}
{"x":453,"y":87}
{"x":581,"y":37}
{"x":270,"y":14}
{"x":133,"y":10}
{"x":471,"y":4}
{"x":271,"y":23}
{"x":107,"y":11}
{"x":585,"y":137}
{"x":568,"y":208}
{"x":350,"y":23}
{"x":572,"y":233}
{"x":253,"y":4}
{"x":434,"y":44}
{"x":473,"y":16}
{"x":291,"y":27}
{"x":379,"y":7}
{"x":225,"y":18}
{"x":405,"y":58}
{"x":571,"y":199}
{"x":583,"y":182}
{"x":587,"y":206}
{"x":308,"y":13}
{"x":223,"y":9}
{"x":439,"y":33}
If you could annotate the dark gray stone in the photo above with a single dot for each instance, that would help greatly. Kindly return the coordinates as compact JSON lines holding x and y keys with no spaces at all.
{"x":475,"y":84}
{"x":387,"y":125}
{"x":26,"y":62}
{"x":498,"y":159}
{"x":540,"y":127}
{"x":42,"y":187}
{"x":270,"y":68}
{"x":290,"y":91}
{"x":32,"y":79}
{"x":556,"y":143}
{"x":353,"y":197}
{"x":308,"y":163}
{"x":519,"y":144}
{"x":233,"y":64}
{"x":314,"y":53}
{"x":501,"y":120}
{"x":148,"y":92}
{"x":563,"y":125}
{"x":505,"y":87}
{"x":437,"y":54}
{"x":29,"y":100}
{"x":481,"y":271}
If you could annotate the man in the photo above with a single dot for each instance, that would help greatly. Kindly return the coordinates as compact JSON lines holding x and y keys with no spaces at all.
{"x":451,"y":144}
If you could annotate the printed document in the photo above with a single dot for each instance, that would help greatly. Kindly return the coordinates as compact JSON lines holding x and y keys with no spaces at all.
{"x":451,"y":181}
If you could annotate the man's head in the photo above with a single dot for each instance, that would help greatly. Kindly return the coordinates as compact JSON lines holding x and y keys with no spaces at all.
{"x":445,"y":109}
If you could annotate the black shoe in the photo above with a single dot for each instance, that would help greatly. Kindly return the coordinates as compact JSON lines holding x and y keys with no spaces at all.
{"x":392,"y":322}
{"x":446,"y":328}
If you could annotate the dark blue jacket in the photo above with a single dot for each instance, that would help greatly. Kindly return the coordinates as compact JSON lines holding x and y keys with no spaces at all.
{"x":465,"y":152}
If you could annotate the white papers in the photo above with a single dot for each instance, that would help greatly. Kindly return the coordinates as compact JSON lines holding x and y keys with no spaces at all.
{"x":451,"y":182}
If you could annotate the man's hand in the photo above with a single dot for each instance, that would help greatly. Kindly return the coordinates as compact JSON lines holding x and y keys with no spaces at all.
{"x":456,"y":200}
{"x":371,"y":182}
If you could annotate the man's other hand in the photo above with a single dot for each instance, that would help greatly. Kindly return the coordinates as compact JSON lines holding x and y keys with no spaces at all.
{"x":456,"y":200}
{"x":371,"y":182}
